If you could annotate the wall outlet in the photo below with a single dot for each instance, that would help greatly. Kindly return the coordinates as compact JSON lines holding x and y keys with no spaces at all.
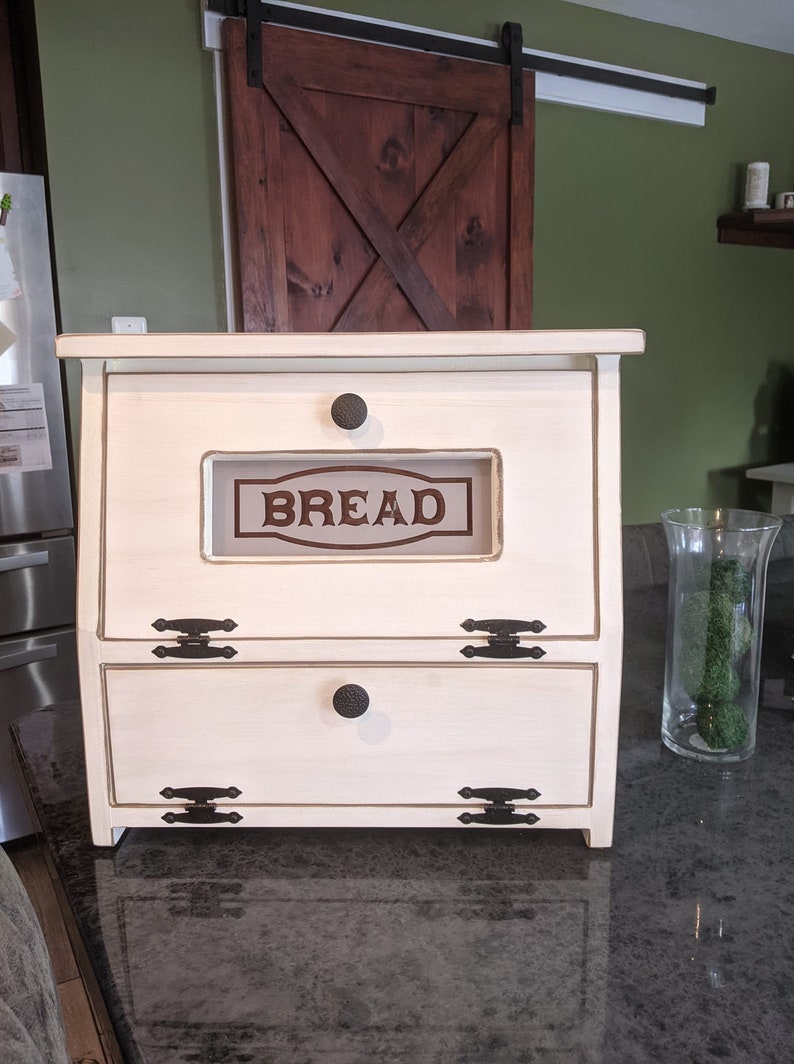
{"x":128,"y":325}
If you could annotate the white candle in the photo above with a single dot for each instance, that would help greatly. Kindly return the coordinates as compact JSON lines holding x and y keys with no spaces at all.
{"x":756,"y":187}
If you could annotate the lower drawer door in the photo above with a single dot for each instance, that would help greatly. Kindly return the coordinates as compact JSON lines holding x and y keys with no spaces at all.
{"x":421,"y":735}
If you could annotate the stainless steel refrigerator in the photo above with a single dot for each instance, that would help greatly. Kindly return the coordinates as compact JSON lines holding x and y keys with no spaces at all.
{"x":38,"y":663}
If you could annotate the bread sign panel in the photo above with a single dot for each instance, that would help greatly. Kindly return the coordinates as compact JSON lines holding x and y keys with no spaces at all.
{"x":313,"y":505}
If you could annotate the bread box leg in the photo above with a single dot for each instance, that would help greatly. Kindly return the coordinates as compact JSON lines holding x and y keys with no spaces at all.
{"x":598,"y":837}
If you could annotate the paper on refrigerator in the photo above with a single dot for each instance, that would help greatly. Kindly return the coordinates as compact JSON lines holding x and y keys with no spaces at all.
{"x":24,"y":438}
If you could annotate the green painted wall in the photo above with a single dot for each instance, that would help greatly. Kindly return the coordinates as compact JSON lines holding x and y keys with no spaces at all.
{"x":132,"y":150}
{"x":625,"y":215}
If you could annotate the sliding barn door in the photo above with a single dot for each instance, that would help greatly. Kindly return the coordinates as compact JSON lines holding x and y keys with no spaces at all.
{"x":378,"y":188}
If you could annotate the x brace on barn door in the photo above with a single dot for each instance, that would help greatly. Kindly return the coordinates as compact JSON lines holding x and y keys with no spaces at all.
{"x":256,"y":12}
{"x":465,"y":151}
{"x":391,"y":244}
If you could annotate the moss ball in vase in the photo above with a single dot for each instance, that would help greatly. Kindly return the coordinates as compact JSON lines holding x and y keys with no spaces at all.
{"x":717,"y":581}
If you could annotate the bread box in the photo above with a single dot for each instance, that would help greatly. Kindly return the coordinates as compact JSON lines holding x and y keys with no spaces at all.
{"x":351,"y":579}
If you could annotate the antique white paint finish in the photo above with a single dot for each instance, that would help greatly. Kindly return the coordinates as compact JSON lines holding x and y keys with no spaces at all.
{"x":153,"y":503}
{"x":154,"y":407}
{"x":273,"y":733}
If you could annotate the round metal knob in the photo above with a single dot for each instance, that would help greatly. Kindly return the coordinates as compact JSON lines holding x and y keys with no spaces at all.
{"x":349,"y":411}
{"x":350,"y":701}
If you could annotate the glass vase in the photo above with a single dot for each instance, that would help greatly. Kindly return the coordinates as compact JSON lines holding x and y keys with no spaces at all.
{"x":718,"y":561}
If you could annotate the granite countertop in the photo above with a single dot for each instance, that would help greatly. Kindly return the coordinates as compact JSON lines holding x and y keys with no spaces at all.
{"x":463,"y":946}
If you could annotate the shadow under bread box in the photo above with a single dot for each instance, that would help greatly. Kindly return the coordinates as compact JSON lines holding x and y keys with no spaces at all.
{"x":351,"y":579}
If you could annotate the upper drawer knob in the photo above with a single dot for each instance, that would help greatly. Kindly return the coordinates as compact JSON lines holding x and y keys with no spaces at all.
{"x":349,"y":411}
{"x":350,"y":700}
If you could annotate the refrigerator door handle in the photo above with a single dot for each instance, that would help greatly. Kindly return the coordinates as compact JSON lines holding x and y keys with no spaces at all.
{"x":28,"y":657}
{"x":24,"y":561}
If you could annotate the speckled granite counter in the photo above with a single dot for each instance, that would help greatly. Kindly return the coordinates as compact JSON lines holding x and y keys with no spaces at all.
{"x":467,"y":946}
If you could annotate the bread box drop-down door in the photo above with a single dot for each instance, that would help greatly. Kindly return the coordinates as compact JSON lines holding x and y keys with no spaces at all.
{"x":432,"y":520}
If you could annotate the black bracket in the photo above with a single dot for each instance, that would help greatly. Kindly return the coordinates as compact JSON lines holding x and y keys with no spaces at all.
{"x":253,"y":42}
{"x":428,"y":41}
{"x":503,"y":640}
{"x":194,"y":642}
{"x":202,"y":809}
{"x":513,"y":44}
{"x":500,"y":795}
{"x":501,"y":811}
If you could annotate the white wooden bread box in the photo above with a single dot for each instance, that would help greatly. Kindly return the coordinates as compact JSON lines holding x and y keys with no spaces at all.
{"x":351,"y":579}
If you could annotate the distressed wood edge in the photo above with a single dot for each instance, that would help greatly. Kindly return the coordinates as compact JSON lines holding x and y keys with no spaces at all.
{"x":373,"y":346}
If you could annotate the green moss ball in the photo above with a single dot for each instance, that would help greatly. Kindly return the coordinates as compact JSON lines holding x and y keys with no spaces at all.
{"x":707,"y":677}
{"x":712,"y":620}
{"x":691,"y":662}
{"x":695,"y":619}
{"x":742,"y":636}
{"x":722,"y":725}
{"x":726,"y":576}
{"x":719,"y":682}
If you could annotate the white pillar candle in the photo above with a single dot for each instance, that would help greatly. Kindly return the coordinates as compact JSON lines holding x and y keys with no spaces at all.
{"x":756,"y":187}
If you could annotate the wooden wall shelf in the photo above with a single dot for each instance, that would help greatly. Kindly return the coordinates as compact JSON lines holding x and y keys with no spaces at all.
{"x":772,"y":229}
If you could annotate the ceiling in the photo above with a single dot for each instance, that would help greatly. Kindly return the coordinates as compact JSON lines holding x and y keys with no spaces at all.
{"x":764,"y":23}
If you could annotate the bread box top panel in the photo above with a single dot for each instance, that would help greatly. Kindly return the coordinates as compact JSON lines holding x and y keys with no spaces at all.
{"x":535,"y":411}
{"x":533,"y":431}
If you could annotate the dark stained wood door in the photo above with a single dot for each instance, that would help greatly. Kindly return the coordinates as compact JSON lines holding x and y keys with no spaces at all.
{"x":378,"y":188}
{"x":22,"y":148}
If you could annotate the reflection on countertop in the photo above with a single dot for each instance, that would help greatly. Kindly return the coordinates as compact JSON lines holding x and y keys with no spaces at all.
{"x":448,"y":947}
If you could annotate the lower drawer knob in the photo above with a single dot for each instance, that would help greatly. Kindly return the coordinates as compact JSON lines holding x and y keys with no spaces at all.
{"x":350,"y":700}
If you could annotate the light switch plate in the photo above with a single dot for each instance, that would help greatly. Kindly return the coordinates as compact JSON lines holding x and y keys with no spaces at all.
{"x":128,"y":325}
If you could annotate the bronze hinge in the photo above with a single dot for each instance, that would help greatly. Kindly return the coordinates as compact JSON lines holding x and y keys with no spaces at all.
{"x":503,"y":641}
{"x":501,"y":810}
{"x":202,"y":808}
{"x":194,"y":641}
